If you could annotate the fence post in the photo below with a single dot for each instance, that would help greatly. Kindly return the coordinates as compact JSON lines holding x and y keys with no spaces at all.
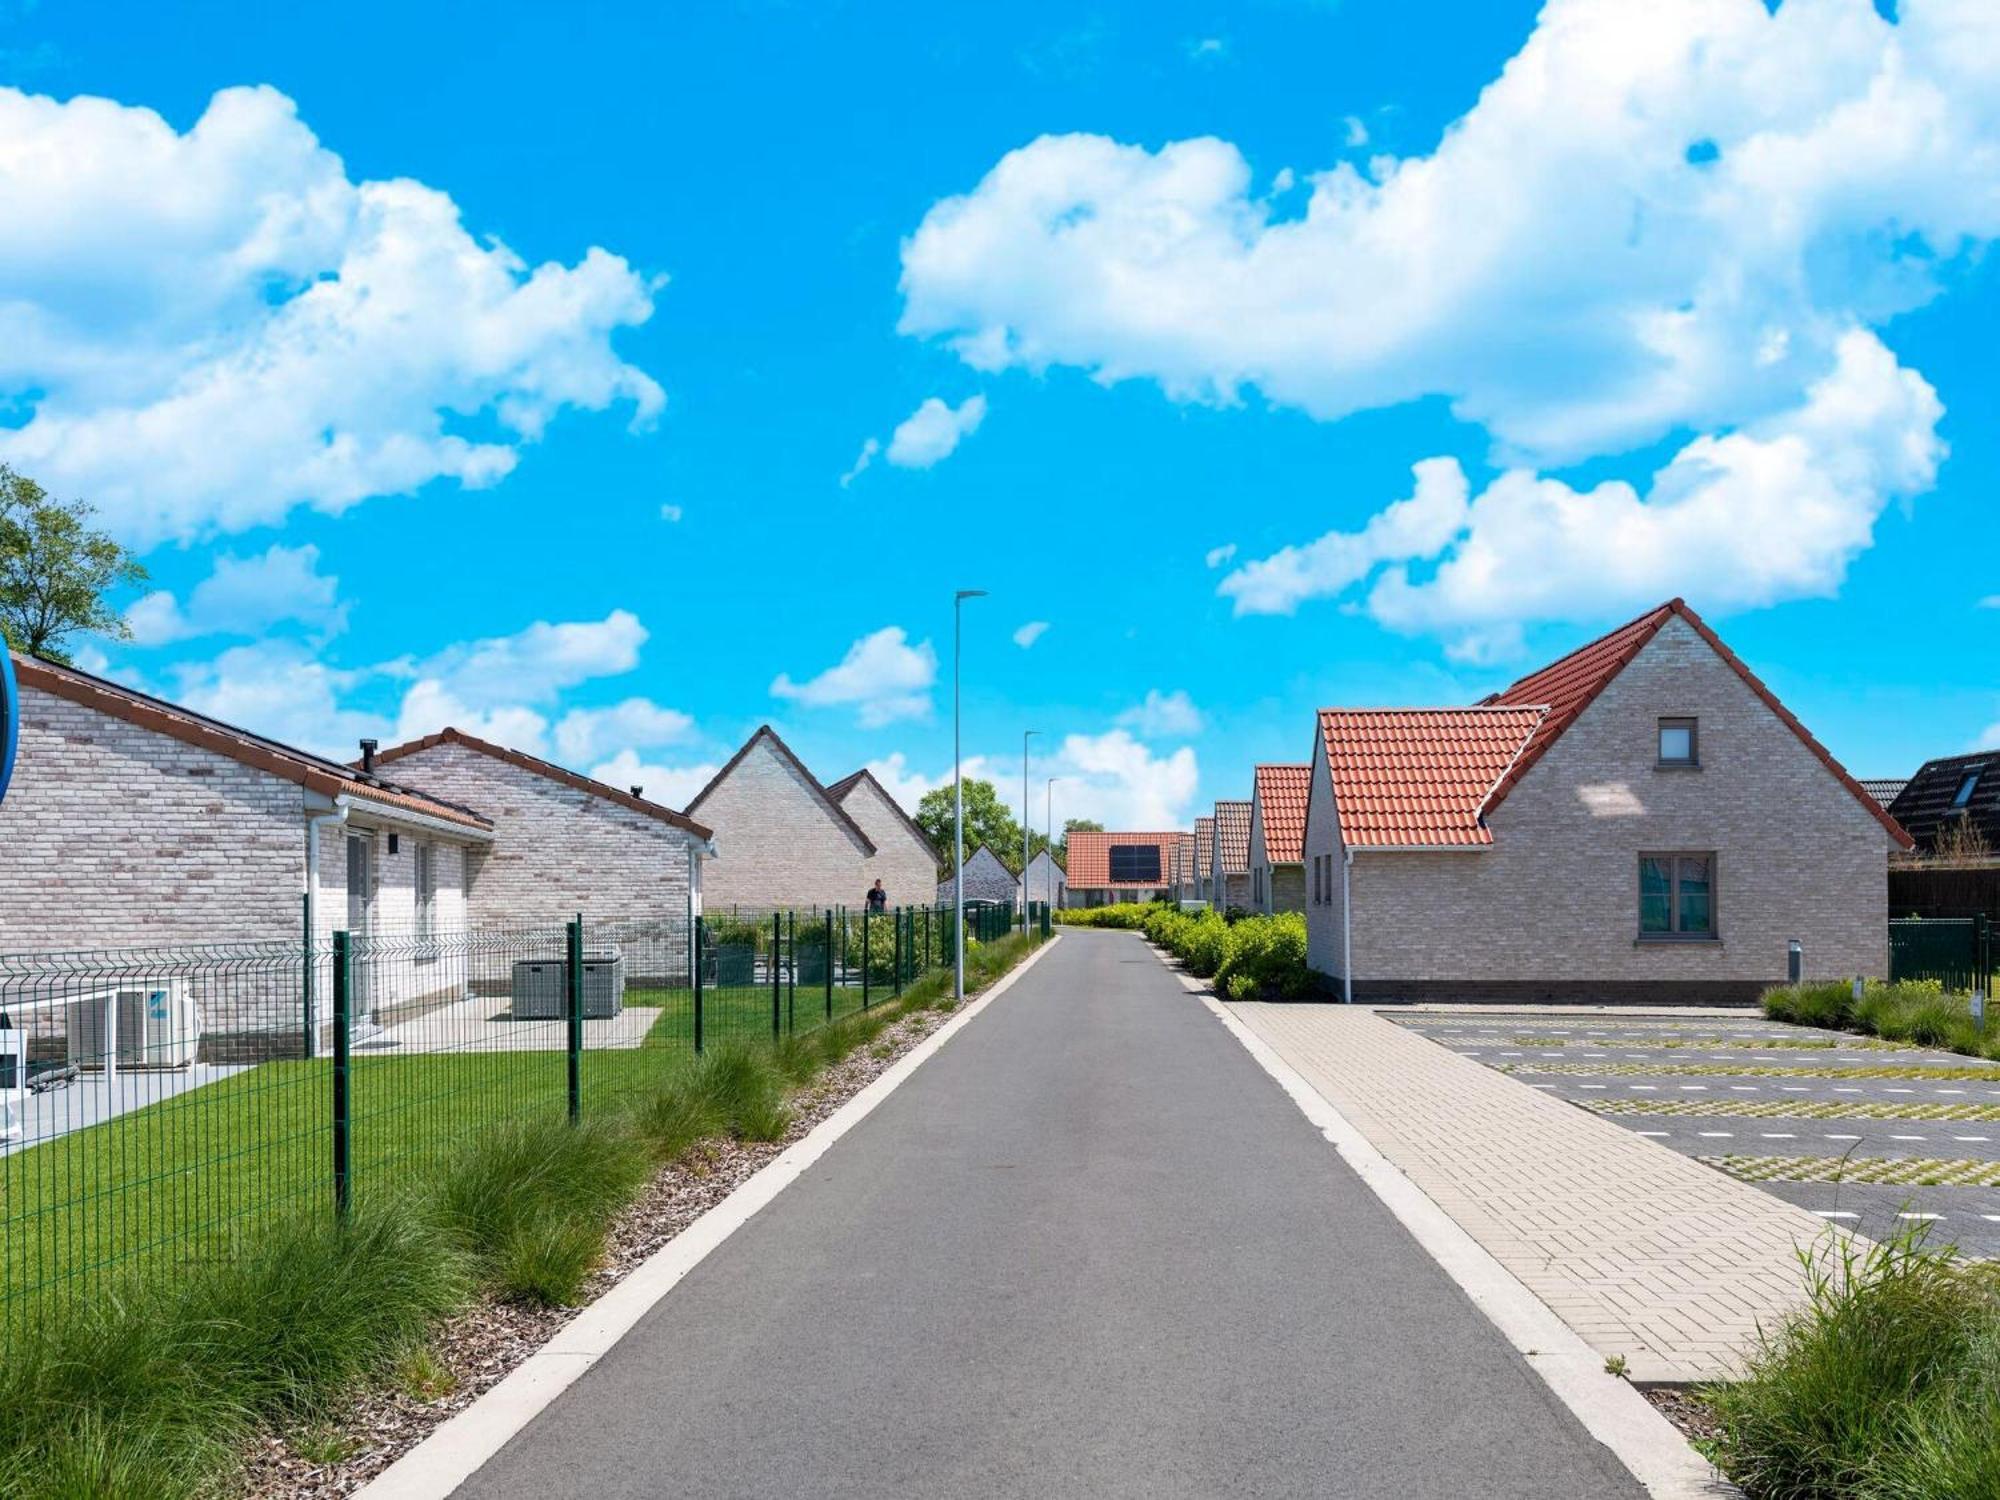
{"x":343,"y":1187}
{"x":898,"y":965}
{"x":575,"y":1048}
{"x":791,"y":971}
{"x":777,"y":976}
{"x":306,"y":988}
{"x":698,"y":929}
{"x":864,"y":958}
{"x":829,"y":963}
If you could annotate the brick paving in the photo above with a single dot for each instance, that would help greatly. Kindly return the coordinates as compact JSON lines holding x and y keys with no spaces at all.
{"x":1642,"y":1251}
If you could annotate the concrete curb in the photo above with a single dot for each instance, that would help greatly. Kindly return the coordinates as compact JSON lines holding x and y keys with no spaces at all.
{"x":459,"y":1447}
{"x":1610,"y":1410}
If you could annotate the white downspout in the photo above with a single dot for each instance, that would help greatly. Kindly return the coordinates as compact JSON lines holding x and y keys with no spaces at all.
{"x":1346,"y":928}
{"x":339,"y":816}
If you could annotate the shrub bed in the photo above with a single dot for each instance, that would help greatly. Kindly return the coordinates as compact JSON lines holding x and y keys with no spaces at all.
{"x":1127,"y":914}
{"x":1911,"y":1010}
{"x":1251,"y":958}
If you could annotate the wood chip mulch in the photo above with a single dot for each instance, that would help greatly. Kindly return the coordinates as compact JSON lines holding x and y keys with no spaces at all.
{"x":483,"y":1345}
{"x":1687,"y":1409}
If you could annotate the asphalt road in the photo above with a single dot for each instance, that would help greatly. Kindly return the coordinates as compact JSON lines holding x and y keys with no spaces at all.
{"x":1088,"y":1249}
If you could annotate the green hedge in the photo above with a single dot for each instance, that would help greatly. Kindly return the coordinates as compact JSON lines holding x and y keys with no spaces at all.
{"x":1909,"y":1010}
{"x":1128,"y":914}
{"x":1248,"y":959}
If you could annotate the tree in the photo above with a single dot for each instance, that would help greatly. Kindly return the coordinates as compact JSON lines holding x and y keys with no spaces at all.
{"x":1074,"y":825}
{"x":55,"y":569}
{"x":987,"y":822}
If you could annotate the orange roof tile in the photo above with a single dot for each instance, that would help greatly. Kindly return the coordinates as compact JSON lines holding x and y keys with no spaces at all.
{"x":1090,"y":856}
{"x":1204,"y":848}
{"x":1416,"y":777}
{"x":1568,"y":686}
{"x":1281,"y":792}
{"x":1232,"y":824}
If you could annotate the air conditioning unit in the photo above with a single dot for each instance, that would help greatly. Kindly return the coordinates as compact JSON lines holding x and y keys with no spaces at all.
{"x":541,"y":987}
{"x":155,"y":1026}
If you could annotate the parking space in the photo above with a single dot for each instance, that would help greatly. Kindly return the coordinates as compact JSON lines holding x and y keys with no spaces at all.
{"x":1868,"y":1135}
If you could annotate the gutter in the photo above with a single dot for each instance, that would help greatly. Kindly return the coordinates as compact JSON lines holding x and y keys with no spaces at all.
{"x":1346,"y":927}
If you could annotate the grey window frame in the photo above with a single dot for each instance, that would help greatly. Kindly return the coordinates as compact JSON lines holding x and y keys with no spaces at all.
{"x":1673,"y":934}
{"x":1677,"y":721}
{"x":1968,"y":788}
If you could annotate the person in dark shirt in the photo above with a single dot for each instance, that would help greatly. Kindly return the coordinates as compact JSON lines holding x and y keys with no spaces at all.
{"x":878,"y":899}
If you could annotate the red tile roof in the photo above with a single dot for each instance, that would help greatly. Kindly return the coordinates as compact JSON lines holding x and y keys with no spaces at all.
{"x":1204,"y":848}
{"x":315,"y":773}
{"x":1090,"y":858}
{"x":1232,"y":823}
{"x":1569,"y":686}
{"x":1282,"y":793}
{"x":1416,"y":777}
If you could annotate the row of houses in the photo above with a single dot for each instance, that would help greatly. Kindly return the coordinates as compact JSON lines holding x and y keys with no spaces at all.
{"x":1639,"y":820}
{"x":135,"y":821}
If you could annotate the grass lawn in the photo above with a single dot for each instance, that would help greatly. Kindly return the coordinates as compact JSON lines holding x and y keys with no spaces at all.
{"x":182,"y":1179}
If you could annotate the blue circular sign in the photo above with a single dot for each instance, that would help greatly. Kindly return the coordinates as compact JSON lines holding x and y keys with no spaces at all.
{"x":10,"y":717}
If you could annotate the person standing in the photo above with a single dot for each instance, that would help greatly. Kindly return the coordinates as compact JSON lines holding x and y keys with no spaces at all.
{"x":878,"y":900}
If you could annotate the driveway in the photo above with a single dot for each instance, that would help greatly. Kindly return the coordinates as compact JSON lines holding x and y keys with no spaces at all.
{"x":1088,"y":1249}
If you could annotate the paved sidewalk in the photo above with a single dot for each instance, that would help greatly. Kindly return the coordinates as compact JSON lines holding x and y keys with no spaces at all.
{"x":1089,"y":1249}
{"x":1643,"y":1252}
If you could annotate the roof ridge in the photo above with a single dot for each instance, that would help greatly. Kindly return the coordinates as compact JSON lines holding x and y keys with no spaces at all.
{"x":839,"y":790}
{"x":766,"y":732}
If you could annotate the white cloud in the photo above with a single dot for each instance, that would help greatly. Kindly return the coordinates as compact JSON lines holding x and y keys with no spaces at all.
{"x":1163,"y":714}
{"x":1215,"y":557}
{"x":1776,"y":510}
{"x":670,"y":513}
{"x":931,"y":433}
{"x":245,"y":596}
{"x":430,"y":705}
{"x":1029,"y":633}
{"x":861,"y":462}
{"x":211,"y":328}
{"x":1559,"y":266}
{"x":908,"y":786}
{"x":882,"y":675}
{"x":534,"y":664}
{"x":1119,"y":782}
{"x":1208,"y":49}
{"x":674,"y":786}
{"x":588,"y":734}
{"x":283,"y":691}
{"x":1991,"y":601}
{"x":1354,"y":132}
{"x":1989,"y":737}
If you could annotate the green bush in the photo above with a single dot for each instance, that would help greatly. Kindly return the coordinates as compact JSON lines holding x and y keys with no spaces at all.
{"x":1267,"y":957}
{"x":1127,"y":914}
{"x":1881,"y":1385}
{"x":1917,"y":1011}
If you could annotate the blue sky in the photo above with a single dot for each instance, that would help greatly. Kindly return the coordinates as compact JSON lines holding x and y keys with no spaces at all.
{"x":516,"y":368}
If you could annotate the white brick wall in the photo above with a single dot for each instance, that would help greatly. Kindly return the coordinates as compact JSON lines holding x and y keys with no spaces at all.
{"x":1554,"y":901}
{"x":902,"y":861}
{"x":779,"y":845}
{"x":1325,"y":917}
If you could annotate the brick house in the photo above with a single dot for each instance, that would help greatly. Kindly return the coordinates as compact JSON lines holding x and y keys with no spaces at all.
{"x":1641,"y":820}
{"x":1045,"y":882}
{"x":1277,"y":838}
{"x":133,"y":821}
{"x":1183,"y":872}
{"x":1204,"y":860}
{"x":1229,"y":861}
{"x":782,"y":840}
{"x":905,"y":860}
{"x":986,"y":879}
{"x":1107,"y":868}
{"x":566,"y":843}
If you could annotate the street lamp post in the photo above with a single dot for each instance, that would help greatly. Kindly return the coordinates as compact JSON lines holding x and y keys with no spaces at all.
{"x":958,"y":801}
{"x":1049,"y":816}
{"x":1026,"y":735}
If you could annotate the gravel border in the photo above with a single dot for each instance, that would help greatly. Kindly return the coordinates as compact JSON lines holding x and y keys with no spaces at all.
{"x":481,"y":1346}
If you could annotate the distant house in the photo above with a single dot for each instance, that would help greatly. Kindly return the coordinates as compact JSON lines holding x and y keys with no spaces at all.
{"x":905,"y":860}
{"x":1204,"y":859}
{"x":782,"y":839}
{"x":567,"y":843}
{"x":1884,"y":789}
{"x":1953,"y":804}
{"x":135,"y":821}
{"x":986,"y":879}
{"x":1180,"y":868}
{"x":1107,"y":868}
{"x":1230,"y":861}
{"x":1045,"y":882}
{"x":1277,"y":838}
{"x":1641,"y":820}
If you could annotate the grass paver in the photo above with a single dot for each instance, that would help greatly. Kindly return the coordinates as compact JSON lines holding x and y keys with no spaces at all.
{"x":1973,"y":1073}
{"x":1792,"y":1109}
{"x":1901,"y":1171}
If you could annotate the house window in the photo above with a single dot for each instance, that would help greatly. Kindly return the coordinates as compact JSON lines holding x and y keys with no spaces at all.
{"x":426,"y":880}
{"x":1966,"y":788}
{"x":1678,"y":742}
{"x":1135,"y":864}
{"x":1676,"y":896}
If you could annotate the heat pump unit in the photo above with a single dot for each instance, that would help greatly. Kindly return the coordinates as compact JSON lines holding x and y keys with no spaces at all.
{"x":541,"y":987}
{"x":151,"y":1023}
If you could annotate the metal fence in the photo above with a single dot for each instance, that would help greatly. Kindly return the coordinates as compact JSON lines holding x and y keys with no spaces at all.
{"x":1956,"y":951}
{"x":156,"y":1103}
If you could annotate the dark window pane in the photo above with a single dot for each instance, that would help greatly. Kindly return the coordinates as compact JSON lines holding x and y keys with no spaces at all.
{"x":1676,"y":741}
{"x":1697,"y":913}
{"x":1135,"y":863}
{"x":1655,"y":895}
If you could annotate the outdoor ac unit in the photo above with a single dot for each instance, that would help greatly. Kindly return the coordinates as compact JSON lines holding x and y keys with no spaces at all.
{"x":541,"y":987}
{"x":156,"y":1026}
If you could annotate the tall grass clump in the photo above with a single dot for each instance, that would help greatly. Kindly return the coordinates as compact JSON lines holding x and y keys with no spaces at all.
{"x":1881,"y":1386}
{"x":153,"y":1388}
{"x":1918,"y":1011}
{"x":530,"y":1202}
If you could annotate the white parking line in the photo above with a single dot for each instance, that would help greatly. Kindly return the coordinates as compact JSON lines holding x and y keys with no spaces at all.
{"x":1843,"y":1137}
{"x":1742,"y":1088}
{"x":1716,"y":1135}
{"x":1593,"y":1086}
{"x":1834,"y":1213}
{"x":1951,"y":1091}
{"x":1847,"y":1091}
{"x":1899,"y":1091}
{"x":1919,"y":1216}
{"x":1796,"y":1088}
{"x":1779,"y":1135}
{"x":1972,"y":1138}
{"x":1650,"y":1132}
{"x":1908,"y":1138}
{"x":1644,"y":1088}
{"x":1694,"y":1088}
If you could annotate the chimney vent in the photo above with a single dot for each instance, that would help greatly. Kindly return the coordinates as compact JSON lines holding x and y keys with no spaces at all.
{"x":638,"y":791}
{"x":368,"y":748}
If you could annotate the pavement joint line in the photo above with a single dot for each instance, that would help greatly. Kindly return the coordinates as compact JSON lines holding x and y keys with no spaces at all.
{"x":1610,"y":1409}
{"x":460,"y":1446}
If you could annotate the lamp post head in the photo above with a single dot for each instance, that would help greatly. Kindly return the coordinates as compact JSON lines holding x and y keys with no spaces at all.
{"x":970,"y":594}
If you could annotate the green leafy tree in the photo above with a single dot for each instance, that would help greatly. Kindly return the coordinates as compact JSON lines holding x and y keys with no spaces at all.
{"x":55,"y":569}
{"x":987,"y":822}
{"x":1074,"y":825}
